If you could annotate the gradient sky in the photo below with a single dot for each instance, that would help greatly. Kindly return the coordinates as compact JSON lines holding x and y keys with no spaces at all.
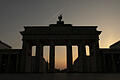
{"x":14,"y":14}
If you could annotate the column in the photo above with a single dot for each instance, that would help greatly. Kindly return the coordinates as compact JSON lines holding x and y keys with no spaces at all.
{"x":52,"y":58}
{"x":91,"y":49}
{"x":9,"y":66}
{"x":81,"y":50}
{"x":69,"y":57}
{"x":28,"y":65}
{"x":23,"y":56}
{"x":25,"y":64}
{"x":1,"y":62}
{"x":39,"y":50}
{"x":81,"y":56}
{"x":98,"y":56}
{"x":95,"y":57}
{"x":17,"y":63}
{"x":94,"y":47}
{"x":113,"y":63}
{"x":39,"y":57}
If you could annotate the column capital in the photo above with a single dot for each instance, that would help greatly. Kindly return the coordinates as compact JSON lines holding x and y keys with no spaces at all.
{"x":69,"y":43}
{"x":81,"y":42}
{"x":38,"y":42}
{"x":52,"y":43}
{"x":39,"y":45}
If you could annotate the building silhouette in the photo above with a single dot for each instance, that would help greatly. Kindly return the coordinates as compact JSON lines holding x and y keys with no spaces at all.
{"x":99,"y":60}
{"x":4,"y":45}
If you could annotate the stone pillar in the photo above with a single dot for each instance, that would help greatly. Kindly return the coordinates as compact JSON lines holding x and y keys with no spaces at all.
{"x":17,"y":63}
{"x":52,"y":58}
{"x":0,"y":62}
{"x":98,"y":55}
{"x":81,"y":49}
{"x":28,"y":66}
{"x":69,"y":57}
{"x":22,"y":56}
{"x":81,"y":56}
{"x":25,"y":64}
{"x":39,"y":57}
{"x":91,"y":49}
{"x":113,"y":64}
{"x":39,"y":50}
{"x":95,"y":57}
{"x":9,"y":66}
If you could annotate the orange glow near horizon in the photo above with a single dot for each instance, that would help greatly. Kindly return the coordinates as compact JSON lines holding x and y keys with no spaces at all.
{"x":60,"y":55}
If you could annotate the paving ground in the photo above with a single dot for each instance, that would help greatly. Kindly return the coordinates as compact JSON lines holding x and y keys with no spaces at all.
{"x":60,"y":76}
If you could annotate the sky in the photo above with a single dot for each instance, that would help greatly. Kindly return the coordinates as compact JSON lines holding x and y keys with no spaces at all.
{"x":14,"y":14}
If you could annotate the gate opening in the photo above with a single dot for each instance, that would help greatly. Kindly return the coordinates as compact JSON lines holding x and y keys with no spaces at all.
{"x":74,"y":53}
{"x":33,"y":50}
{"x":87,"y":50}
{"x":60,"y":57}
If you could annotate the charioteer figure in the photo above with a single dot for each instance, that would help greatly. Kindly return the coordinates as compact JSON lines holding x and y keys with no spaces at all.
{"x":60,"y":20}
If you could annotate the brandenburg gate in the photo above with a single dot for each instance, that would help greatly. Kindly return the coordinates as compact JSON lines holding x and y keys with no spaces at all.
{"x":57,"y":35}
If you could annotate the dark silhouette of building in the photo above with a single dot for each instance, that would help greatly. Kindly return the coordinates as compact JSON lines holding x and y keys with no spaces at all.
{"x":9,"y":58}
{"x":107,"y":61}
{"x":4,"y":45}
{"x":100,"y":60}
